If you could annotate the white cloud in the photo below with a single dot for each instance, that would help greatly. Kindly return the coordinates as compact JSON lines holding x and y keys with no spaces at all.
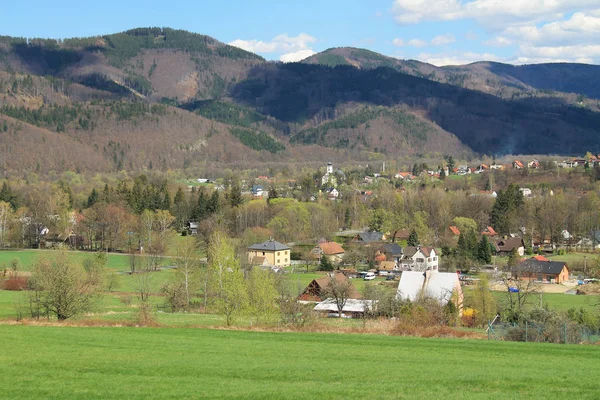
{"x":581,"y":28}
{"x":455,"y":58}
{"x":442,"y":40}
{"x":417,"y":43}
{"x":498,"y":41}
{"x":297,"y":56}
{"x":436,"y":41}
{"x":279,"y":44}
{"x":493,"y":12}
{"x":471,"y":35}
{"x":572,"y":53}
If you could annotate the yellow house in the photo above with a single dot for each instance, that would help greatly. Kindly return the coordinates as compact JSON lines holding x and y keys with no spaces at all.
{"x":270,"y":252}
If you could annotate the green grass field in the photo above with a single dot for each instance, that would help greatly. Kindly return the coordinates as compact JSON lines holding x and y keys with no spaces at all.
{"x":151,"y":363}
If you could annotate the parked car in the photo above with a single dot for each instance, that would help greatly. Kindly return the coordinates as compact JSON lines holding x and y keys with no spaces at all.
{"x":390,"y":277}
{"x":369,"y":276}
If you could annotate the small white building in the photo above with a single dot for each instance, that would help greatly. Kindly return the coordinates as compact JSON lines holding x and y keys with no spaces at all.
{"x":526,"y":192}
{"x":417,"y":258}
{"x":441,"y":286}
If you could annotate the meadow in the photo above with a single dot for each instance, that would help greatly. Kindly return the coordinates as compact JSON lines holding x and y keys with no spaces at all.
{"x":151,"y":363}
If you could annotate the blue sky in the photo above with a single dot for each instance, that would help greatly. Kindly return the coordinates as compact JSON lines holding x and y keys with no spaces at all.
{"x":441,"y":32}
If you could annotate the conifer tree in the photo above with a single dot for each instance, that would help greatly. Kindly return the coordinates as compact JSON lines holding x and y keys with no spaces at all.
{"x":413,"y":239}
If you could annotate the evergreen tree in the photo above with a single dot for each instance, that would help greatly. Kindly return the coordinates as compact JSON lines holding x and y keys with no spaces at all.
{"x":325,"y":264}
{"x":67,"y":189}
{"x":484,"y":251}
{"x":93,"y":198}
{"x":451,"y":163}
{"x":179,"y":197}
{"x":513,"y":258}
{"x":505,"y":209}
{"x":442,"y":174}
{"x":106,"y":194}
{"x":413,"y":239}
{"x":462,"y":249}
{"x":7,"y":196}
{"x":214,"y":203}
{"x":200,"y":209}
{"x":166,"y":202}
{"x":235,"y":195}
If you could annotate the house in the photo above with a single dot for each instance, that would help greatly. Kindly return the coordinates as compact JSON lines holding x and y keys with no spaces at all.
{"x":259,"y":191}
{"x":417,"y":258}
{"x":441,"y":286}
{"x":332,"y":193}
{"x":316,"y":290}
{"x":486,"y":193}
{"x":332,"y":250}
{"x":526,"y":192}
{"x":517,"y":164}
{"x":353,"y":308}
{"x":276,"y":254}
{"x":400,"y":235}
{"x":368,"y":237}
{"x":386,"y":267}
{"x":392,"y":251}
{"x":591,"y":241}
{"x":489,"y":231}
{"x":497,"y":166}
{"x":535,"y":164}
{"x":506,"y":246}
{"x":462,"y":170}
{"x":192,"y":227}
{"x":405,"y":176}
{"x":454,"y":230}
{"x":544,"y":270}
{"x":481,"y":168}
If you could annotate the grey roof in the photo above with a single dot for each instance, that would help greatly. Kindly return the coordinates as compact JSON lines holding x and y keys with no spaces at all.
{"x":393,"y":248}
{"x":544,"y":267}
{"x":269,"y":245}
{"x":595,"y":235}
{"x":370,"y":237}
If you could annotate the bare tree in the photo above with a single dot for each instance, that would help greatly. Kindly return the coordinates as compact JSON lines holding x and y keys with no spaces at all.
{"x":339,"y":289}
{"x":62,"y":287}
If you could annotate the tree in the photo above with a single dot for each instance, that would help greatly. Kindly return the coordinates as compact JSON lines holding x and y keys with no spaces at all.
{"x":325,"y":264}
{"x":93,"y":198}
{"x":263,"y":295}
{"x":235,"y":195}
{"x":506,"y":206}
{"x":339,"y":289}
{"x":5,"y":218}
{"x":63,"y":287}
{"x":188,"y":266}
{"x":484,"y":250}
{"x":513,"y":259}
{"x":226,"y":278}
{"x":413,"y":238}
{"x":484,"y":301}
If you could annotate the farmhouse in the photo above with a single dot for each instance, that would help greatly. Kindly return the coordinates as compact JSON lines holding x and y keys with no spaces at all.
{"x":315,"y":291}
{"x":270,"y":252}
{"x":489,"y":231}
{"x":506,"y":246}
{"x":332,"y":250}
{"x":368,"y":237}
{"x":544,"y":270}
{"x":392,"y":251}
{"x":417,"y":258}
{"x":441,"y":286}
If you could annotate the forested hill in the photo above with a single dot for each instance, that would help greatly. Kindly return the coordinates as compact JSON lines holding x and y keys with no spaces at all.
{"x":166,"y":98}
{"x":490,"y":77}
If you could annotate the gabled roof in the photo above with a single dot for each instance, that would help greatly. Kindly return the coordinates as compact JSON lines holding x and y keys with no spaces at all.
{"x":386,"y":266}
{"x":432,"y":284}
{"x":269,"y":245}
{"x":540,"y":258}
{"x":316,"y":287}
{"x":454,"y":230}
{"x":489,"y":231}
{"x":410,"y":251}
{"x":392,"y":248}
{"x":545,"y":267}
{"x":509,"y":244}
{"x":402,"y":234}
{"x":331,"y":248}
{"x":369,"y":237}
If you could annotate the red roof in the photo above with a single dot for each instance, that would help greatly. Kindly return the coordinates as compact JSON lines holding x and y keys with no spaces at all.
{"x":489,"y":231}
{"x":540,"y":258}
{"x":331,"y":248}
{"x":519,"y":163}
{"x":454,"y":230}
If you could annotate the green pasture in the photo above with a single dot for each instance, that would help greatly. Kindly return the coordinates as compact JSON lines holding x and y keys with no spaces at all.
{"x":155,"y":363}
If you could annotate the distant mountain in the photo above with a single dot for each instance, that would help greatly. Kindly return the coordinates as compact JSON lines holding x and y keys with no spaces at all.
{"x":490,"y":77}
{"x":165,"y":98}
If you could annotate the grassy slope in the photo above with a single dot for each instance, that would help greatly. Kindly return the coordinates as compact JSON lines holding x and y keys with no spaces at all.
{"x":90,"y":363}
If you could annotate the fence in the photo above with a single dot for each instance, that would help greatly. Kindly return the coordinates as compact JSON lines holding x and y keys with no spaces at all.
{"x":557,"y":332}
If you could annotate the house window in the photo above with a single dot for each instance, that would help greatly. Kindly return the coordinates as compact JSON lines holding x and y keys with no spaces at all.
{"x":278,"y":261}
{"x":278,"y":253}
{"x":434,"y":258}
{"x":420,"y":260}
{"x":263,"y":253}
{"x":286,"y":260}
{"x":429,"y":259}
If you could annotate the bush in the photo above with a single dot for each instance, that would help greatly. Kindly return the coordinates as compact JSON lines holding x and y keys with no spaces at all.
{"x":16,"y":283}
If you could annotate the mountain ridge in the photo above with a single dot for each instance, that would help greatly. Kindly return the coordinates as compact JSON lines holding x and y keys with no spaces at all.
{"x":178,"y":99}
